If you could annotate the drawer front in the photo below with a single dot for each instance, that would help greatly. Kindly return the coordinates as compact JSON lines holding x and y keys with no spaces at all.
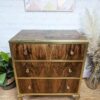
{"x":48,"y":69}
{"x":48,"y":86}
{"x":27,"y":51}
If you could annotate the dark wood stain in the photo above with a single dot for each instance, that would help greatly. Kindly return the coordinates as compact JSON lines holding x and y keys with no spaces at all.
{"x":48,"y":86}
{"x":48,"y":51}
{"x":48,"y":45}
{"x":52,"y":69}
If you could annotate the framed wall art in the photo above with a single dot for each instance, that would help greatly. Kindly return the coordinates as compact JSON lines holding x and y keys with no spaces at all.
{"x":49,"y":5}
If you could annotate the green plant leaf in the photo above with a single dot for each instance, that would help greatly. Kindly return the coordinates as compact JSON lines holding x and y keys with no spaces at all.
{"x":3,"y":64}
{"x":4,"y":56}
{"x":2,"y":70}
{"x":2,"y":78}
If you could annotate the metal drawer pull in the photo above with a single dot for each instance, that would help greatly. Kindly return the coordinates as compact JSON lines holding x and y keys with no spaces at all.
{"x":29,"y":87}
{"x":69,"y":70}
{"x":25,"y":52}
{"x":71,"y":52}
{"x":27,"y":70}
{"x":68,"y":87}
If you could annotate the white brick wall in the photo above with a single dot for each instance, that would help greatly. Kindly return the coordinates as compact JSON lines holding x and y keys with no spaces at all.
{"x":13,"y":18}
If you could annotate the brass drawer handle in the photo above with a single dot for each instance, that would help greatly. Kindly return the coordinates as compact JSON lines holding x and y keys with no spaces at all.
{"x":27,"y":70}
{"x":25,"y":52}
{"x":71,"y":52}
{"x":29,"y":87}
{"x":68,"y":88}
{"x":70,"y":70}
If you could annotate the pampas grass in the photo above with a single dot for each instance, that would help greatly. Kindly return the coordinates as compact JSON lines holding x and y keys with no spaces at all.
{"x":91,"y":27}
{"x":92,"y":30}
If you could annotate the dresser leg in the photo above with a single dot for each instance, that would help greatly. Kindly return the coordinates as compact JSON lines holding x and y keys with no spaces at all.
{"x":20,"y":98}
{"x":76,"y":97}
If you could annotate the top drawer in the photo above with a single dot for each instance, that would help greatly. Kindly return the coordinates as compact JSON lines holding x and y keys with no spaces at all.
{"x":29,"y":51}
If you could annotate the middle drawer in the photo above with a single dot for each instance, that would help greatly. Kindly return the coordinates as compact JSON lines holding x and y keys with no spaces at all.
{"x":48,"y":69}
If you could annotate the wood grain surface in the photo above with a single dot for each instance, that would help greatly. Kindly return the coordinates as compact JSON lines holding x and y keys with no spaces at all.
{"x":48,"y":86}
{"x":48,"y":69}
{"x":48,"y":51}
{"x":35,"y":45}
{"x":49,"y":36}
{"x":85,"y":92}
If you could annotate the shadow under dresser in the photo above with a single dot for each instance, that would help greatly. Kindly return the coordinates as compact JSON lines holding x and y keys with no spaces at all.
{"x":48,"y":62}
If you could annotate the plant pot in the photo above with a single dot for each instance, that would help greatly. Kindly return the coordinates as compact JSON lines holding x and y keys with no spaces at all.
{"x":9,"y":84}
{"x":91,"y":81}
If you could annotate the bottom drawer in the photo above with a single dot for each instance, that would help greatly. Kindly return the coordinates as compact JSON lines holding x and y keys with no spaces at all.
{"x":48,"y":85}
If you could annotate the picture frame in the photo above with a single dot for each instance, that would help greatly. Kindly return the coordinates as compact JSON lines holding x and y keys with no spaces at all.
{"x":49,"y":5}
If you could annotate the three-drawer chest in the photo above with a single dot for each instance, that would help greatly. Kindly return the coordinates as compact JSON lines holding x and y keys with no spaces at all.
{"x":48,"y":62}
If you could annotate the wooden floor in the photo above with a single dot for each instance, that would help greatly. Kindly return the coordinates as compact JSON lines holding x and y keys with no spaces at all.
{"x":86,"y":94}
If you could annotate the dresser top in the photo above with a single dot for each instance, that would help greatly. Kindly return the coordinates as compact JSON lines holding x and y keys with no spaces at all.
{"x":49,"y":36}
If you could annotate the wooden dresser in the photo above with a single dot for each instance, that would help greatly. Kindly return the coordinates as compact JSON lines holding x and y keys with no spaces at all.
{"x":48,"y":62}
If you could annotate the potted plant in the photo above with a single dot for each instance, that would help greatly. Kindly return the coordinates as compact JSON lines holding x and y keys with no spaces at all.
{"x":6,"y":71}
